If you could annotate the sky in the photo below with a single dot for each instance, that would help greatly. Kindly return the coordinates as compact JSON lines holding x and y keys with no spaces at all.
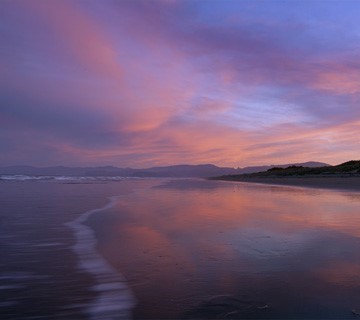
{"x":151,"y":83}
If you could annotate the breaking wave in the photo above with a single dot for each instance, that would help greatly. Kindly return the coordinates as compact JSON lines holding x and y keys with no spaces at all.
{"x":20,"y":177}
{"x":114,"y":299}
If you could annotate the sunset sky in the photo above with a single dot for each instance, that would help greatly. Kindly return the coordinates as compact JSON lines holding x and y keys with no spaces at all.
{"x":147,"y":83}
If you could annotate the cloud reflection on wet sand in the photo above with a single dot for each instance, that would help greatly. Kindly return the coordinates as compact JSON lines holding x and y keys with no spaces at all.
{"x":179,"y":246}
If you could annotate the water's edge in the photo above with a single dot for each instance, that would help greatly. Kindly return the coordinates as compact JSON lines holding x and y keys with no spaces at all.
{"x":114,"y":299}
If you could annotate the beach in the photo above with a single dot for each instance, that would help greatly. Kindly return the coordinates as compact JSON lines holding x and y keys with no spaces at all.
{"x":350,"y":183}
{"x":43,"y":267}
{"x":172,"y":159}
{"x":177,"y":249}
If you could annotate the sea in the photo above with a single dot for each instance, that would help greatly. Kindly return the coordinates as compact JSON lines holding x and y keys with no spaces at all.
{"x":132,"y":248}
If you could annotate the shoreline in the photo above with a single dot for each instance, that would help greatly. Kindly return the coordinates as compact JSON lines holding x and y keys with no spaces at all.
{"x":314,"y":182}
{"x":114,"y":298}
{"x":53,"y":265}
{"x":191,"y":234}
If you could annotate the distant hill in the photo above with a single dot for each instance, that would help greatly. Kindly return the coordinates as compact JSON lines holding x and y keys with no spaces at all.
{"x":107,"y":171}
{"x":309,"y":164}
{"x":349,"y":168}
{"x":200,"y":171}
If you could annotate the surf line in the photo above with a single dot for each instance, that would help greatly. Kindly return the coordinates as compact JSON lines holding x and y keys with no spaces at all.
{"x":114,"y":299}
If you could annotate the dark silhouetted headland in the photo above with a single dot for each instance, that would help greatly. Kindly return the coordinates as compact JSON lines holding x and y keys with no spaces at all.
{"x":342,"y":176}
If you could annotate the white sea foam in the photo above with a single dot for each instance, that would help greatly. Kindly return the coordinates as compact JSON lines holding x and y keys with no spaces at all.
{"x":114,"y":299}
{"x":21,"y":177}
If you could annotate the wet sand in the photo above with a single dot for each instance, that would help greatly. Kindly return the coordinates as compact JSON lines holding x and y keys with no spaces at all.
{"x":181,"y":249}
{"x":193,"y":249}
{"x":323,"y":182}
{"x":49,"y":267}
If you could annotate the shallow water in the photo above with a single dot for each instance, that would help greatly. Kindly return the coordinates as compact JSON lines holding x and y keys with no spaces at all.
{"x":190,"y":249}
{"x":45,"y":251}
{"x":205,"y":249}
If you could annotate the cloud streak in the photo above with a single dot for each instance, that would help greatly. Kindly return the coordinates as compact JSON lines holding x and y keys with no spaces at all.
{"x":139,"y":83}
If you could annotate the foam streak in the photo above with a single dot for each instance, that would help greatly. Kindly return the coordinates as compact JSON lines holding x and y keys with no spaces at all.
{"x":114,"y":299}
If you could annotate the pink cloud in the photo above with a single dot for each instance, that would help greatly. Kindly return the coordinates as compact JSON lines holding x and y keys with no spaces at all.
{"x":78,"y":36}
{"x":153,"y":83}
{"x":343,"y":81}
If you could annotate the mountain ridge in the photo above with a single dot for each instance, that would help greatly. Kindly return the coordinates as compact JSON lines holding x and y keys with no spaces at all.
{"x":182,"y":170}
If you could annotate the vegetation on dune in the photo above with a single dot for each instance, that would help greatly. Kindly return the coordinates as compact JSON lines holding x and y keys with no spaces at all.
{"x":349,"y":168}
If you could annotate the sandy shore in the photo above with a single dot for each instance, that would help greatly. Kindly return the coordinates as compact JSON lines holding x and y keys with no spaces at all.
{"x":188,"y":249}
{"x":50,"y":268}
{"x":323,"y":182}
